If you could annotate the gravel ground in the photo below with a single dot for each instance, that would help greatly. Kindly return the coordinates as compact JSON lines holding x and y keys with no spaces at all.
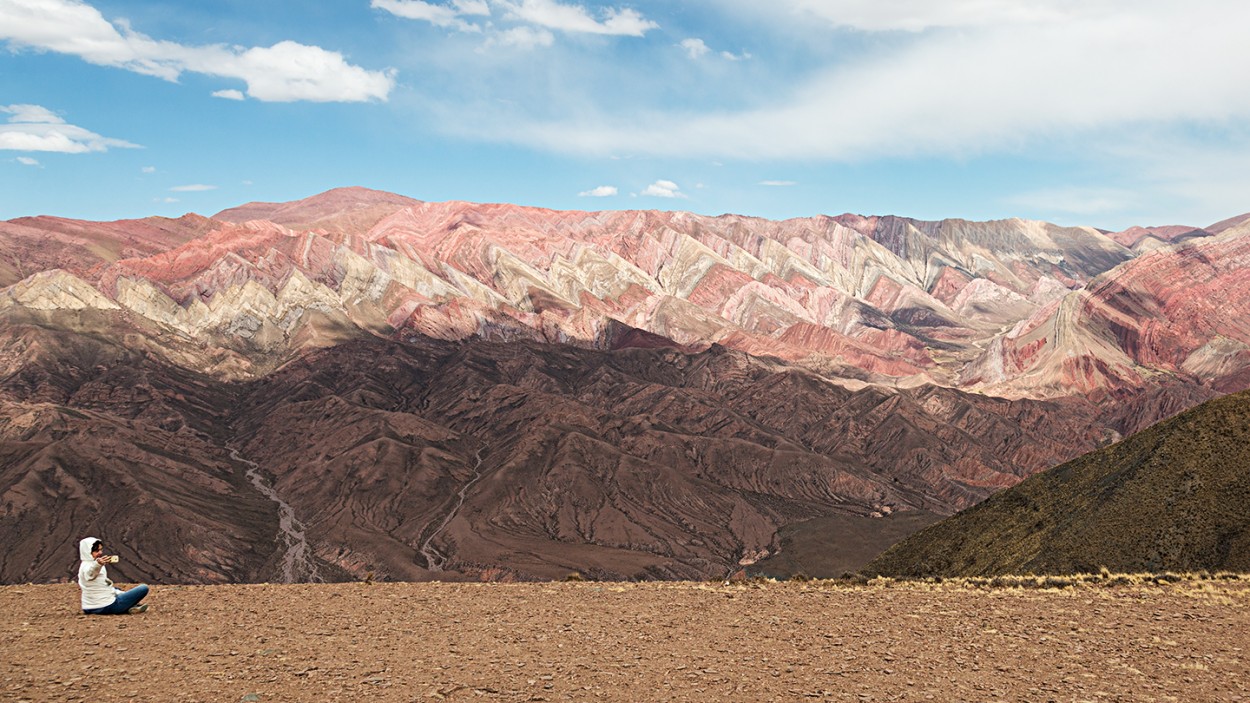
{"x":632,"y":642}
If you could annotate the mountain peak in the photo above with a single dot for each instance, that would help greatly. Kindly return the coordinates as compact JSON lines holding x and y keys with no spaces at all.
{"x":337,"y":210}
{"x":1228,"y":224}
{"x":1142,"y":238}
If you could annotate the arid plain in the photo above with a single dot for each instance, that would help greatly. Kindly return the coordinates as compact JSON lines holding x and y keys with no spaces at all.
{"x":672,"y":641}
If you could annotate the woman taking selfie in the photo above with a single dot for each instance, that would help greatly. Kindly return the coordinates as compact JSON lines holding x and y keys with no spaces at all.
{"x":99,"y":596}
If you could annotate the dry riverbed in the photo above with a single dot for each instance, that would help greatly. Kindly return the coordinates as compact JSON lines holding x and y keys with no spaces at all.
{"x":632,"y":642}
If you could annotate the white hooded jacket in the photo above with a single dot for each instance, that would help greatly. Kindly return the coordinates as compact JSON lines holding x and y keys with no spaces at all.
{"x":93,"y":578}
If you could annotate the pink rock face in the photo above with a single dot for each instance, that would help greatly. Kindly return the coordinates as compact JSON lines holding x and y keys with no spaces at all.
{"x":1182,"y":311}
{"x":32,"y":244}
{"x":743,"y":282}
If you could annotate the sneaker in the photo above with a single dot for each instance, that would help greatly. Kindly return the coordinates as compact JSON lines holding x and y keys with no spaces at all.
{"x":141,"y":608}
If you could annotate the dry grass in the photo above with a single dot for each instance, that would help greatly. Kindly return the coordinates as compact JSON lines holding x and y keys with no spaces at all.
{"x":1101,"y":579}
{"x":1169,"y":500}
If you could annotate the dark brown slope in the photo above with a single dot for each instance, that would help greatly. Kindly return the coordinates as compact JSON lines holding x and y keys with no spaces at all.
{"x":97,"y":439}
{"x":1173,"y":497}
{"x":434,"y":459}
{"x":637,"y":463}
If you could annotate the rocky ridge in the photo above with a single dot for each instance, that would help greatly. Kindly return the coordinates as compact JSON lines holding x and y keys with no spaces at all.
{"x":1173,"y":497}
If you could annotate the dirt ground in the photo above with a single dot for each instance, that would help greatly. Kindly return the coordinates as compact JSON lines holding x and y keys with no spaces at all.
{"x":632,"y":642}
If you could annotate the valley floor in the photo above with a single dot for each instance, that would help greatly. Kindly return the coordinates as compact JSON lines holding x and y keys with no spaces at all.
{"x":1187,"y":641}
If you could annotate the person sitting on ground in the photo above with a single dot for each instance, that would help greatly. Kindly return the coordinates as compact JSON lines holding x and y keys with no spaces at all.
{"x":99,"y":595}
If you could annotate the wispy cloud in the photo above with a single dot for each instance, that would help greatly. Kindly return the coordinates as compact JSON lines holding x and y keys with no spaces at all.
{"x":921,"y":15}
{"x":1078,"y":201}
{"x":697,"y":48}
{"x":452,"y":15}
{"x":778,"y":184}
{"x":27,"y":161}
{"x":229,"y":94}
{"x":664,"y":189}
{"x":523,"y":24}
{"x":575,"y":18}
{"x":36,"y":128}
{"x":148,"y":169}
{"x":1185,"y":180}
{"x":193,"y":188}
{"x":1000,"y":82}
{"x":285,"y":72}
{"x":600,"y":192}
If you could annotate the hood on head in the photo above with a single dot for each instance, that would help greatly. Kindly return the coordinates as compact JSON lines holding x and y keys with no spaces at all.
{"x":84,"y":548}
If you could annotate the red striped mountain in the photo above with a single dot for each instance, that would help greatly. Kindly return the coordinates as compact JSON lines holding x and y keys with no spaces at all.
{"x":1005,"y":307}
{"x":1183,"y":311}
{"x":876,"y":298}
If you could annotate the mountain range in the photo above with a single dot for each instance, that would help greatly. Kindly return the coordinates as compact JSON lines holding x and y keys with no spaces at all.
{"x":362,"y":383}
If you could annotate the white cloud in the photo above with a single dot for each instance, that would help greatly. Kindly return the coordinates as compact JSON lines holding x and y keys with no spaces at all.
{"x":193,"y":188}
{"x":148,"y":169}
{"x":983,"y":88}
{"x":36,"y":128}
{"x":169,"y":200}
{"x":229,"y":94}
{"x":695,"y":48}
{"x":437,"y":15}
{"x":778,"y":184}
{"x":600,"y":192}
{"x":921,"y":15}
{"x":575,"y":18}
{"x":32,"y":114}
{"x":286,"y":71}
{"x":289,"y":71}
{"x":524,"y":24}
{"x":473,"y":7}
{"x":663,"y":189}
{"x":27,"y":161}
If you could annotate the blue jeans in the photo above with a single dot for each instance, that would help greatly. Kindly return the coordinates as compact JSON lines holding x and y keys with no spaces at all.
{"x":125,"y":601}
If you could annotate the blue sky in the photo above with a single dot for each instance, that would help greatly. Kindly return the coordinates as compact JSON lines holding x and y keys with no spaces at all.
{"x":1101,"y":112}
